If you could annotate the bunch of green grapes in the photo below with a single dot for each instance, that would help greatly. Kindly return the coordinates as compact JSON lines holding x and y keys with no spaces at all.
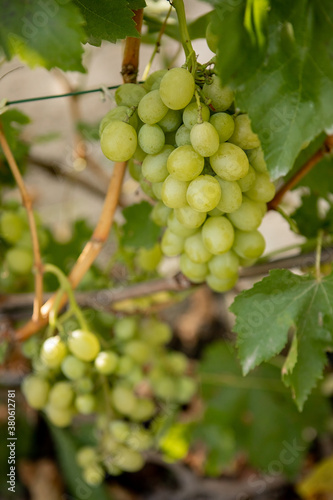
{"x":124,"y":386}
{"x":202,"y":163}
{"x":16,"y":243}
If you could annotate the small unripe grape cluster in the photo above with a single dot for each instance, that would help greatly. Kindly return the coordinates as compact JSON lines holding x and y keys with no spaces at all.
{"x":16,"y":238}
{"x":202,"y":164}
{"x":124,"y":386}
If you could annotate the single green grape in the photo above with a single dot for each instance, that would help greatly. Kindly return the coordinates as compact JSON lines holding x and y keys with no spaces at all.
{"x":61,"y":395}
{"x":151,"y":108}
{"x":85,"y":404}
{"x":203,"y":193}
{"x":165,"y":387}
{"x":174,"y":192}
{"x":224,"y":125}
{"x":189,"y":217}
{"x":211,"y":38}
{"x":230,"y":162}
{"x":84,"y":385}
{"x":154,"y":79}
{"x":138,"y":350}
{"x":194,"y":271}
{"x":248,"y":181}
{"x":144,"y":410}
{"x":231,"y":196}
{"x":243,"y":135}
{"x":221,"y":285}
{"x":176,"y":227}
{"x":86,"y":455}
{"x":84,"y":345}
{"x":73,"y":368}
{"x":157,"y":190}
{"x":160,"y":213}
{"x":93,"y":475}
{"x":118,"y":141}
{"x":155,"y":332}
{"x":186,"y":389}
{"x":172,"y":244}
{"x":171,"y":121}
{"x":36,"y":390}
{"x":151,"y":138}
{"x":263,"y":190}
{"x":125,"y":328}
{"x":221,"y":97}
{"x":120,"y":430}
{"x":140,"y":439}
{"x":60,"y":417}
{"x":257,"y":160}
{"x":185,"y":164}
{"x":218,"y":234}
{"x":154,"y":166}
{"x":19,"y":260}
{"x":126,"y":366}
{"x":191,"y":114}
{"x":177,"y":88}
{"x":204,"y":139}
{"x":53,"y":352}
{"x":224,"y":266}
{"x":129,"y":94}
{"x":182,"y":137}
{"x":247,"y":217}
{"x":106,"y":362}
{"x":123,"y":400}
{"x":128,"y":460}
{"x":249,"y":244}
{"x":11,"y":227}
{"x":176,"y":363}
{"x":195,"y":249}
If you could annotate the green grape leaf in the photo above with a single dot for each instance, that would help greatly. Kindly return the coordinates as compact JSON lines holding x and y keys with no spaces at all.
{"x":45,"y":34}
{"x":139,"y":231}
{"x":12,"y":121}
{"x":278,"y":304}
{"x":107,"y":20}
{"x":196,"y":28}
{"x":307,"y":216}
{"x":283,"y":81}
{"x":136,"y":4}
{"x":244,"y":414}
{"x":320,"y":179}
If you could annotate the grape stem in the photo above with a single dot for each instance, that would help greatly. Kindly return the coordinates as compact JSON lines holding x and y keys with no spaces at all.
{"x":157,"y":46}
{"x":318,"y":254}
{"x":325,"y":150}
{"x":102,"y":230}
{"x":65,"y":286}
{"x":185,"y":36}
{"x":26,"y":200}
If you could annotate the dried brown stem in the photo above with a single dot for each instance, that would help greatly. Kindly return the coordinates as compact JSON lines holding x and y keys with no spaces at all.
{"x":325,"y":150}
{"x":26,"y":200}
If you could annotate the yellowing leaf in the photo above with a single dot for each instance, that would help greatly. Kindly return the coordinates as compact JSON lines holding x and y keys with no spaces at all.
{"x":319,"y":481}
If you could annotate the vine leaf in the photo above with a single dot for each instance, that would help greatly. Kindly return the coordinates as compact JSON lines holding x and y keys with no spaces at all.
{"x":246,"y":413}
{"x":107,"y":20}
{"x":285,"y":82}
{"x":265,"y":315}
{"x":45,"y":34}
{"x":139,"y":230}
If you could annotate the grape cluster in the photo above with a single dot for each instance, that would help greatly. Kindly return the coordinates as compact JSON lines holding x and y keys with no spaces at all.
{"x":202,"y":163}
{"x":124,"y":386}
{"x":16,"y":249}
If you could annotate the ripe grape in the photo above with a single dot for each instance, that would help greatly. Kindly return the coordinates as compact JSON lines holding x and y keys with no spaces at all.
{"x":151,"y":138}
{"x":53,"y":352}
{"x":128,"y":460}
{"x":183,"y":136}
{"x":203,"y":193}
{"x":84,"y":345}
{"x":221,"y":285}
{"x":121,"y":113}
{"x":151,"y":108}
{"x":85,"y":404}
{"x":249,"y":244}
{"x":174,"y":192}
{"x":36,"y":390}
{"x":218,"y":234}
{"x":129,"y":94}
{"x":177,"y":88}
{"x":176,"y":227}
{"x":171,"y":121}
{"x":247,"y":182}
{"x":243,"y":135}
{"x":185,"y":164}
{"x":191,"y":115}
{"x":73,"y":368}
{"x":230,"y":162}
{"x":106,"y":362}
{"x":125,"y":328}
{"x":161,"y":212}
{"x":211,"y":38}
{"x":86,"y":455}
{"x":247,"y":217}
{"x":118,"y":141}
{"x":60,"y":417}
{"x":195,"y":249}
{"x":224,"y":266}
{"x":231,"y":196}
{"x":224,"y":125}
{"x":19,"y":260}
{"x":149,"y":258}
{"x":189,"y":217}
{"x":221,"y":97}
{"x":144,"y":410}
{"x":194,"y":271}
{"x":11,"y":227}
{"x":93,"y":475}
{"x":154,"y":79}
{"x":138,"y":350}
{"x":123,"y":400}
{"x":262,"y":189}
{"x":204,"y":139}
{"x":61,"y":395}
{"x":186,"y":389}
{"x":172,"y":244}
{"x":154,"y":166}
{"x":257,"y":160}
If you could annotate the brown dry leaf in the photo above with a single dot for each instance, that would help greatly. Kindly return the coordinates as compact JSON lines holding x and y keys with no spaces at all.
{"x":42,"y":479}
